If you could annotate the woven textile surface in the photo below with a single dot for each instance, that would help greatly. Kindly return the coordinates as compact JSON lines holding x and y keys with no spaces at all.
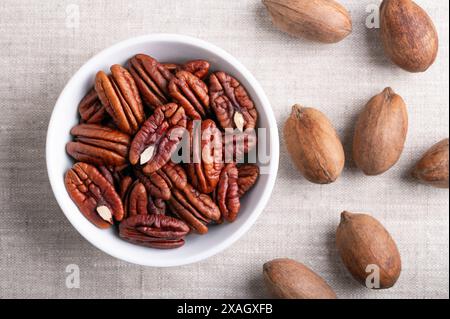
{"x":42,"y":45}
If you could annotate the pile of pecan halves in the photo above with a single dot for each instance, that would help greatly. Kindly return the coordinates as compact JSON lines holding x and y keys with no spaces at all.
{"x":133,"y":122}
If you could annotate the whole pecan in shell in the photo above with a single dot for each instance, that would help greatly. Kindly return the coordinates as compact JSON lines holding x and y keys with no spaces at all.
{"x":191,"y":93}
{"x":247,"y":176}
{"x":206,"y":149}
{"x":98,"y":145}
{"x":156,"y":231}
{"x":152,"y":78}
{"x":158,"y":138}
{"x":231,"y":103}
{"x":91,"y":109}
{"x":94,"y":195}
{"x":227,"y":194}
{"x":120,"y":97}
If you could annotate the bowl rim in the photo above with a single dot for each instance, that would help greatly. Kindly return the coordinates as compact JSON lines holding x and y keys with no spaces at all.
{"x":273,"y":166}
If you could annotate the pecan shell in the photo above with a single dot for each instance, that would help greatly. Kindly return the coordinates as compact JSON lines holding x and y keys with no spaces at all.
{"x":94,"y":195}
{"x":98,"y":145}
{"x":247,"y":176}
{"x":120,"y":97}
{"x":91,"y":109}
{"x":191,"y":93}
{"x":156,"y":231}
{"x":152,"y":79}
{"x":206,"y":149}
{"x":158,"y":137}
{"x":231,"y":103}
{"x":227,"y":195}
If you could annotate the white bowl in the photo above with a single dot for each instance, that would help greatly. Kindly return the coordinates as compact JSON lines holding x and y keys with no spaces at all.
{"x":173,"y":48}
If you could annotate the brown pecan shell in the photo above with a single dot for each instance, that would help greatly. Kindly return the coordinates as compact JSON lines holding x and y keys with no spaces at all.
{"x":231,"y":103}
{"x":120,"y":97}
{"x":152,"y":78}
{"x":247,"y":176}
{"x":98,"y":145}
{"x":94,"y":195}
{"x":191,"y":93}
{"x":206,"y":156}
{"x":91,"y":109}
{"x":154,"y":230}
{"x":228,"y":192}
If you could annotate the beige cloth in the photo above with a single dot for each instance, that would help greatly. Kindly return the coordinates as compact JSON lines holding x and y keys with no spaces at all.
{"x":42,"y":46}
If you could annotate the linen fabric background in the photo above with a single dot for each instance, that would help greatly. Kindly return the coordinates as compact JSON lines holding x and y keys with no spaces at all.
{"x":41,"y":47}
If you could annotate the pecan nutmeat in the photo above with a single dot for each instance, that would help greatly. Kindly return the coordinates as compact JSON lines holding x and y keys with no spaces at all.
{"x":206,"y":156}
{"x":154,"y":230}
{"x":155,"y":184}
{"x":94,"y":195}
{"x":158,"y":138}
{"x":191,"y":93}
{"x":120,"y":97}
{"x":136,"y":200}
{"x":152,"y":78}
{"x":91,"y":109}
{"x":195,"y":208}
{"x":98,"y":145}
{"x":247,"y":176}
{"x":227,"y":194}
{"x":200,"y":68}
{"x":231,"y":103}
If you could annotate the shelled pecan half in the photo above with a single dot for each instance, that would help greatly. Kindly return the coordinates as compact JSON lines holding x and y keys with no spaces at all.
{"x":231,"y":103}
{"x":156,"y":206}
{"x":154,"y":230}
{"x":227,"y":193}
{"x":206,"y":155}
{"x":191,"y":93}
{"x":155,"y":184}
{"x":237,"y":144}
{"x":98,"y":145}
{"x":94,"y":195}
{"x":136,"y":200}
{"x":158,"y":138}
{"x":200,"y":68}
{"x":152,"y":78}
{"x":195,"y":208}
{"x":91,"y":109}
{"x":120,"y":97}
{"x":247,"y":176}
